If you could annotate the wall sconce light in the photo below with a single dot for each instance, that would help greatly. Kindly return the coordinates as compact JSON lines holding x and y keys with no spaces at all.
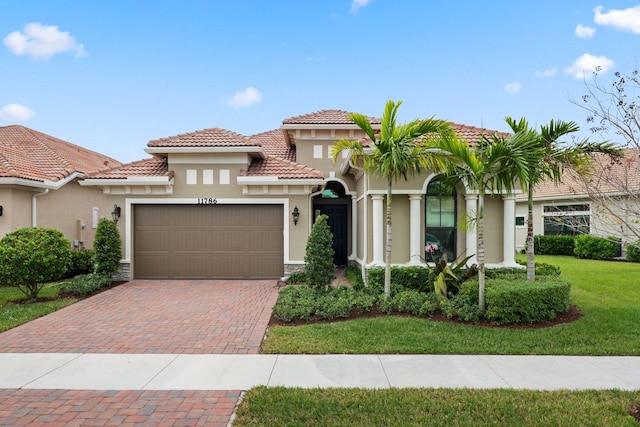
{"x":116,"y":213}
{"x":296,"y":215}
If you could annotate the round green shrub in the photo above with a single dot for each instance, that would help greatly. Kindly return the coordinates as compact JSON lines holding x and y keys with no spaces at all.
{"x":633,"y":252}
{"x":592,"y":247}
{"x":31,"y":257}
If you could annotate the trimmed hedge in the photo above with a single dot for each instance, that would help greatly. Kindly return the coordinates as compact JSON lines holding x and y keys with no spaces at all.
{"x":82,"y":262}
{"x":633,"y":252}
{"x":526,"y":302}
{"x":554,"y":245}
{"x":412,"y":277}
{"x":592,"y":247}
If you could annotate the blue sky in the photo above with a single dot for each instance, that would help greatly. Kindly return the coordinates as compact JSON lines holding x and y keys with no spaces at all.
{"x":112,"y":75}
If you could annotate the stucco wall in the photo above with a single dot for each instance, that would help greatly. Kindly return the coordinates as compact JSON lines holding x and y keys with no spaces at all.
{"x":68,"y":208}
{"x":16,"y":204}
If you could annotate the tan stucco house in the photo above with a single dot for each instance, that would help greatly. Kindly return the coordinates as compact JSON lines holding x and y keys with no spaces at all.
{"x":216,"y":204}
{"x":39,"y":185}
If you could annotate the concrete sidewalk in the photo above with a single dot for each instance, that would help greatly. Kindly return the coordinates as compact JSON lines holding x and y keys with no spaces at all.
{"x":84,"y":371}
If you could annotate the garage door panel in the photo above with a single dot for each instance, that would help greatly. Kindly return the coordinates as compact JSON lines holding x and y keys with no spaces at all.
{"x":190,"y":240}
{"x":191,"y":266}
{"x":151,"y":240}
{"x":265,"y":241}
{"x":208,"y":241}
{"x":228,"y":240}
{"x":157,"y":265}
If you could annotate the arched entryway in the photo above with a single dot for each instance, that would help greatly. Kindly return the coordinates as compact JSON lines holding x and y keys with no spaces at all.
{"x":336,"y":204}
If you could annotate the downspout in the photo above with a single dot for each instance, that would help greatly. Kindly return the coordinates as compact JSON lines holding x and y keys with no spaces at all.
{"x":34,"y":210}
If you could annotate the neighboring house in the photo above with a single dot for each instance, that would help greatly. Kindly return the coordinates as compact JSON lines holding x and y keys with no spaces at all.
{"x":39,"y":177}
{"x":598,"y":203}
{"x":217,"y":204}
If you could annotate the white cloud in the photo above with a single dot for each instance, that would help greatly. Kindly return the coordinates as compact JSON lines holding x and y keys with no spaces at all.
{"x":625,"y":19}
{"x":244,"y":98}
{"x":356,"y":5}
{"x":42,"y":41}
{"x":315,"y":58}
{"x":513,"y":88}
{"x":584,"y":67}
{"x":547,"y":73}
{"x":16,"y":113}
{"x":584,"y":32}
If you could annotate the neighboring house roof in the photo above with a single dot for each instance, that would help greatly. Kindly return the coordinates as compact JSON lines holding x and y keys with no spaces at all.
{"x":609,"y":176}
{"x":214,"y":137}
{"x":152,"y":167}
{"x":34,"y":156}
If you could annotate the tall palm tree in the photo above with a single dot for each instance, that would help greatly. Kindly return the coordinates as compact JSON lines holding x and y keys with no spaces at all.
{"x":545,"y":161}
{"x":398,"y":151}
{"x":494,"y":165}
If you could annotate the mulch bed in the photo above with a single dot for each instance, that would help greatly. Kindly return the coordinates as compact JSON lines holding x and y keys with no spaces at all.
{"x":571,"y":316}
{"x":634,"y":411}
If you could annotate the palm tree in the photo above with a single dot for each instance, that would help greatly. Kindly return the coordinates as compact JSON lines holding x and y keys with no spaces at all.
{"x":398,"y":151}
{"x":494,"y":165}
{"x":545,"y":162}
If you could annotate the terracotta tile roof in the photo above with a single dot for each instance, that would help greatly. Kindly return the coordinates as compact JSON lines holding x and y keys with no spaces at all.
{"x":274,"y":144}
{"x":32,"y":155}
{"x":154,"y":166}
{"x":275,"y":166}
{"x":609,"y":177}
{"x":214,"y":137}
{"x":325,"y":117}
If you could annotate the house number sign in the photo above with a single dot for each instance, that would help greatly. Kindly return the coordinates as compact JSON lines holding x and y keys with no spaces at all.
{"x":207,"y":201}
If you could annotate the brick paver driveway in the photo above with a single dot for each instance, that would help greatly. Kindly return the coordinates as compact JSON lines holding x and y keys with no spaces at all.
{"x":142,"y":316}
{"x":155,"y":316}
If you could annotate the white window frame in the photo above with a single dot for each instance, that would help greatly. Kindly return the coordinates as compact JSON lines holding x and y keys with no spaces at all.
{"x":565,"y":213}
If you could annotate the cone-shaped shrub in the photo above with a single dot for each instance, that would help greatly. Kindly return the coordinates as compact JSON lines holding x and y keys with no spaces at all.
{"x":318,"y":258}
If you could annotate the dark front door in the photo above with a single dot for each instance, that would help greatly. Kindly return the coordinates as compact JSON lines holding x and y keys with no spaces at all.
{"x":337,"y":220}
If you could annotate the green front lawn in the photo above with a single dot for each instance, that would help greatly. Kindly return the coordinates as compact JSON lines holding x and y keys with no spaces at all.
{"x":607,"y":292}
{"x":14,"y":312}
{"x":434,"y":407}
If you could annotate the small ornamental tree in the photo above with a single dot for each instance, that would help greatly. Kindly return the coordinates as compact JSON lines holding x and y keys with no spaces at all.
{"x":107,"y":247}
{"x":318,"y":259}
{"x":31,"y":257}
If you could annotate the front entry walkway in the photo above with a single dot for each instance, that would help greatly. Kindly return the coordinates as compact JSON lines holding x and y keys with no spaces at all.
{"x":155,"y":316}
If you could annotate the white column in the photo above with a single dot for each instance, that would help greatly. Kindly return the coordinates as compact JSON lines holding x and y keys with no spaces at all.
{"x":354,"y":229}
{"x":378,"y":227}
{"x":509,"y":221}
{"x":471,"y":208}
{"x":414,"y":233}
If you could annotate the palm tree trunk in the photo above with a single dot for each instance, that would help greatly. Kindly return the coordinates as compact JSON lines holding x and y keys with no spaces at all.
{"x":387,"y":263}
{"x":480,"y":252}
{"x":531,"y":266}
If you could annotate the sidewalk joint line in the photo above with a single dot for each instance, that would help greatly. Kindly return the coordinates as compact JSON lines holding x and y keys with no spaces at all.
{"x":384,"y":370}
{"x":144,"y":386}
{"x":54,"y":369}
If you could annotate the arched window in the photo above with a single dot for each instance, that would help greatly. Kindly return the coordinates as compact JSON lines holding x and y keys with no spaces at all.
{"x":440,"y":221}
